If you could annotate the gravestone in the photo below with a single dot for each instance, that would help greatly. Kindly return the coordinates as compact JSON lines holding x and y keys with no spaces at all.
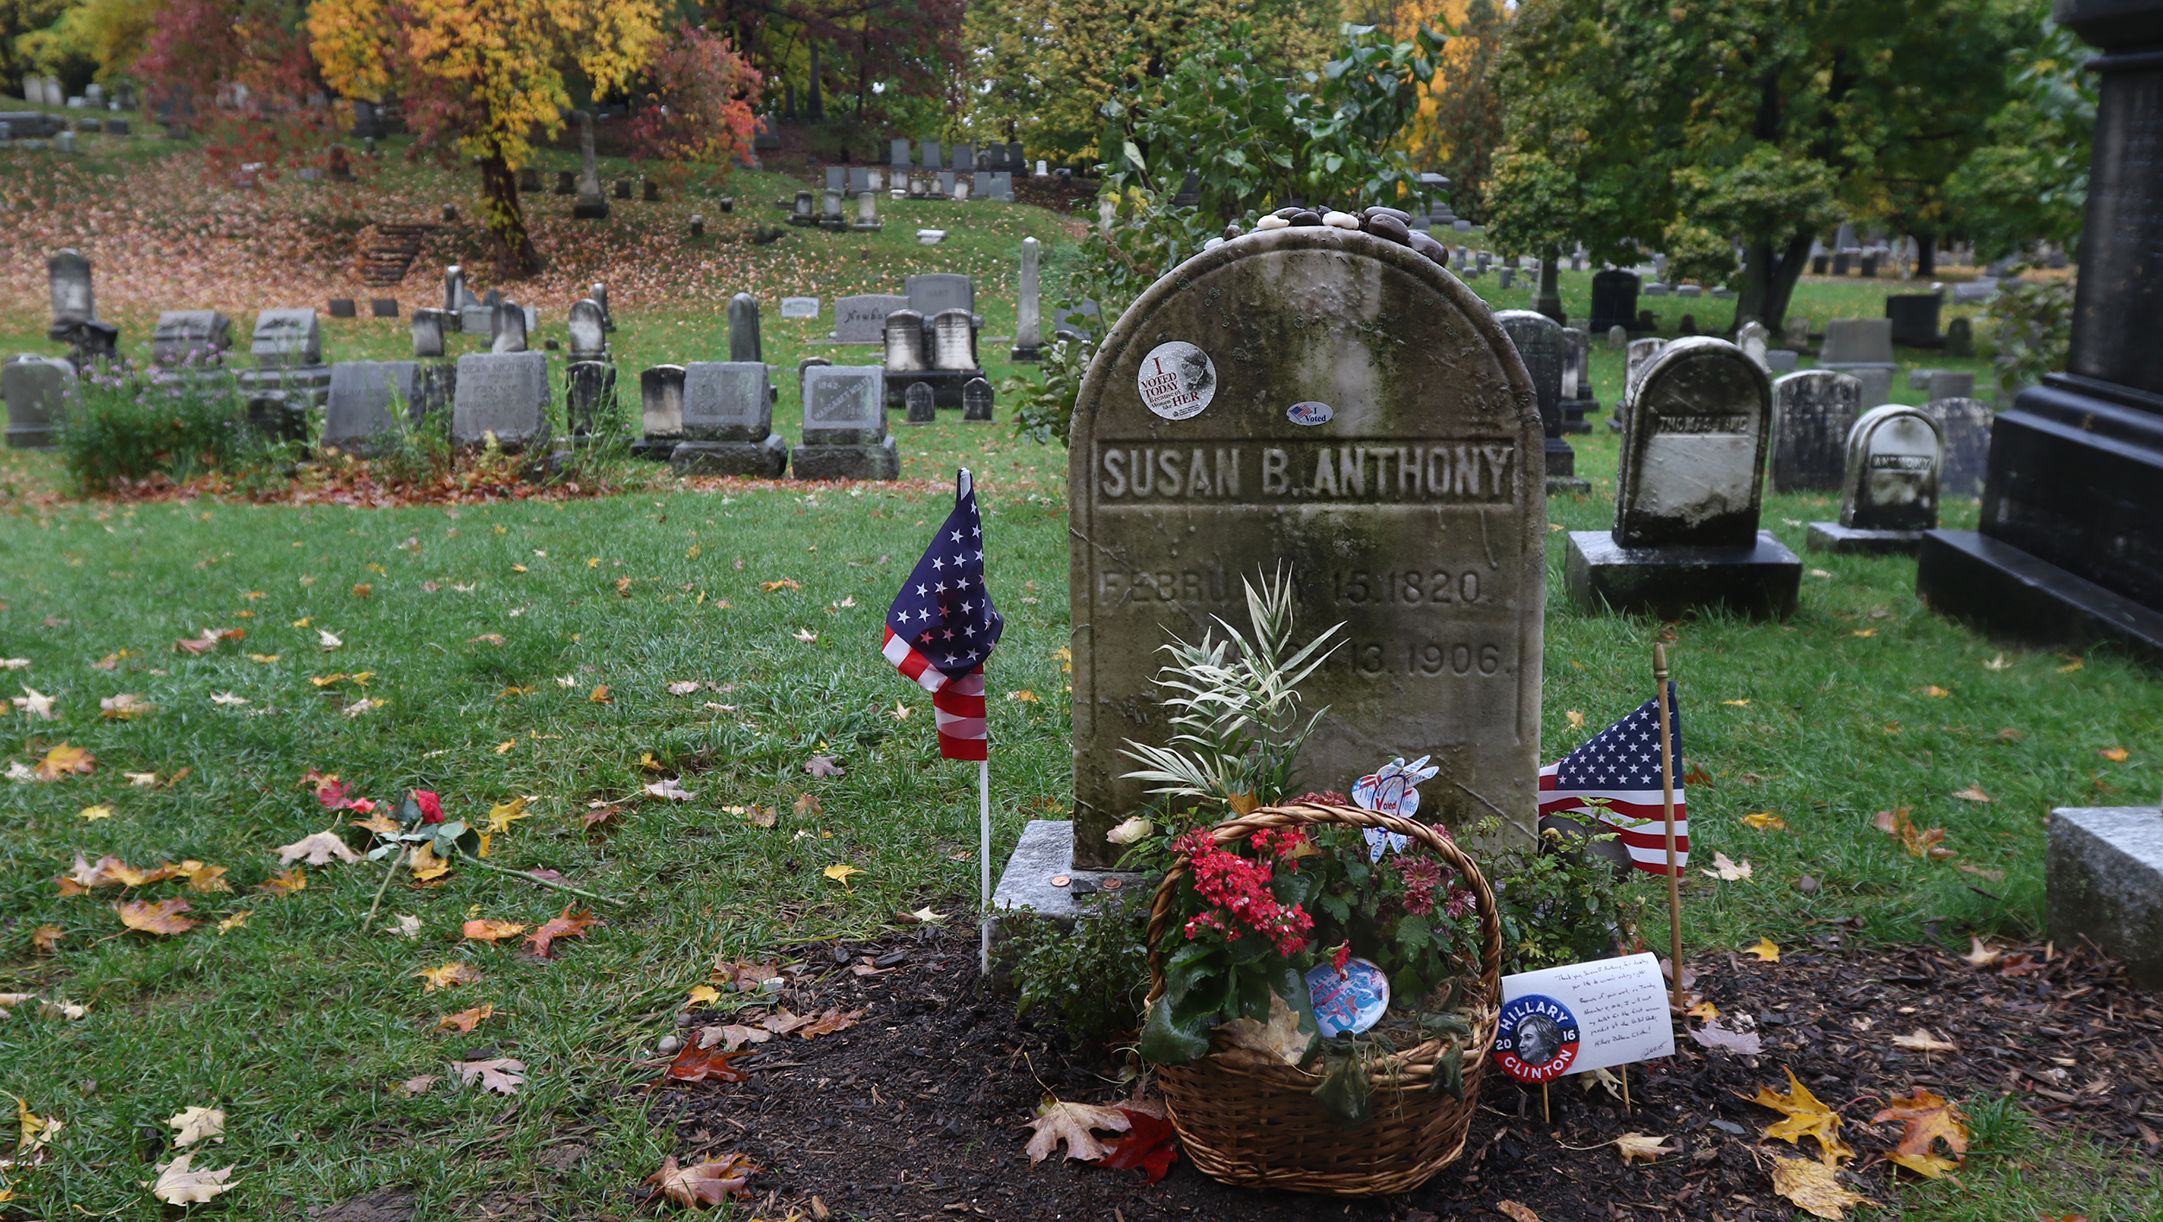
{"x":1331,"y":401}
{"x":830,"y":216}
{"x":507,"y":328}
{"x":191,"y":337}
{"x":1686,"y":514}
{"x":976,"y":401}
{"x":845,"y":433}
{"x":1540,"y":344}
{"x":1862,"y":347}
{"x":1578,"y":401}
{"x":598,"y":294}
{"x":1965,"y":426}
{"x":922,"y":408}
{"x":1755,"y":341}
{"x":1027,"y":324}
{"x":383,"y":307}
{"x":898,"y":155}
{"x":344,"y":307}
{"x":589,"y":330}
{"x":867,"y":213}
{"x":1960,"y":337}
{"x":504,"y":395}
{"x":623,"y":188}
{"x":566,"y":182}
{"x":38,"y":390}
{"x":75,"y":321}
{"x":1951,"y":384}
{"x":904,"y":342}
{"x":945,"y":189}
{"x":837,"y":178}
{"x":801,"y":212}
{"x":427,"y":328}
{"x":964,"y":158}
{"x":1081,"y":321}
{"x":1812,"y":414}
{"x":1889,"y":495}
{"x":1614,"y":299}
{"x":289,"y":378}
{"x":1618,"y":338}
{"x":861,"y":319}
{"x":589,"y":399}
{"x":1913,"y":319}
{"x":1641,"y":354}
{"x":799,"y":307}
{"x":932,"y":157}
{"x":953,"y":340}
{"x":744,"y":342}
{"x":728,"y":417}
{"x":660,"y":393}
{"x":1782,"y":360}
{"x":592,"y":203}
{"x":933,"y":292}
{"x":364,"y":399}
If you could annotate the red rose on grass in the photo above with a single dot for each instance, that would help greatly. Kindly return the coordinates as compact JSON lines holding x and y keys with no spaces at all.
{"x":431,"y":805}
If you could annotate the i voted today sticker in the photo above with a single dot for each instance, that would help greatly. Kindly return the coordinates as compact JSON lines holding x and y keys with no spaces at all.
{"x":1176,"y":380}
{"x":1350,"y":1001}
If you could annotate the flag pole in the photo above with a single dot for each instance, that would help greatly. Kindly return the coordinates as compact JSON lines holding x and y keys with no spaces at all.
{"x":1667,"y":799}
{"x":983,"y":810}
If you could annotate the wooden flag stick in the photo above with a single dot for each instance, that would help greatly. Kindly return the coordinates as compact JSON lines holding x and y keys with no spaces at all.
{"x":1625,"y":1090}
{"x":983,"y":856}
{"x":1667,"y":799}
{"x":1544,"y":1117}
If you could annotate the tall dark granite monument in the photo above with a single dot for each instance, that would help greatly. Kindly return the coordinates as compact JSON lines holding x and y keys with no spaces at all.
{"x":2070,"y":543}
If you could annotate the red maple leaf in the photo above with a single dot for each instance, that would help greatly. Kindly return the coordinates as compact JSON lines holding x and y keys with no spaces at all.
{"x":696,"y":1064}
{"x":1150,"y":1146}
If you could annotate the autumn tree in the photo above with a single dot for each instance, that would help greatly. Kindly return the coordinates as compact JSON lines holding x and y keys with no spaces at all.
{"x":482,"y":76}
{"x":1458,"y":125}
{"x":862,"y":62}
{"x":1690,"y":126}
{"x":237,"y":72}
{"x":700,"y":96}
{"x":1049,"y":66}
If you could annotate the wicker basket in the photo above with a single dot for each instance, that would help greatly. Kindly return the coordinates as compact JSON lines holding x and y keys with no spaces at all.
{"x":1250,"y":1120}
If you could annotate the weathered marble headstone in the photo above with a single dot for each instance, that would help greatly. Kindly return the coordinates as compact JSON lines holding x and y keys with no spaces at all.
{"x":1618,"y":338}
{"x":845,"y":433}
{"x":862,"y":319}
{"x":799,"y":307}
{"x":1965,"y":425}
{"x":507,"y":328}
{"x":1781,"y":360}
{"x":1686,"y":515}
{"x":287,"y":339}
{"x":589,"y":398}
{"x":38,"y":390}
{"x":592,"y":202}
{"x":427,"y":328}
{"x":1330,"y":401}
{"x":191,"y":337}
{"x":67,"y":275}
{"x":589,"y":330}
{"x":365,"y":398}
{"x":1578,"y":401}
{"x":1640,"y":357}
{"x":501,"y":394}
{"x":867,"y":213}
{"x":976,"y":401}
{"x":1540,"y":344}
{"x":922,"y":406}
{"x":1890,"y":494}
{"x":744,"y":342}
{"x":1755,"y":341}
{"x":904,"y":342}
{"x":1812,"y":413}
{"x":953,"y":340}
{"x":660,"y":392}
{"x":1028,"y":328}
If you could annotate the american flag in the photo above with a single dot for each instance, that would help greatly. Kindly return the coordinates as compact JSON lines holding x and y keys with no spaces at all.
{"x":942,"y":627}
{"x":1614,"y":780}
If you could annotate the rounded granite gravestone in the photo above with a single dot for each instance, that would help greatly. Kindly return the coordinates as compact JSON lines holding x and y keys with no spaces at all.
{"x":976,"y":401}
{"x":922,"y":403}
{"x":1686,"y":514}
{"x":744,"y":342}
{"x":1330,"y":403}
{"x":1890,"y":496}
{"x":1812,"y":412}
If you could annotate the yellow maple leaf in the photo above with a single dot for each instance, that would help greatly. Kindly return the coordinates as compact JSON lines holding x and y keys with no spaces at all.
{"x":1765,"y":821}
{"x":162,"y":917}
{"x":484,"y":929}
{"x":235,"y":921}
{"x":66,"y":759}
{"x":504,"y":814}
{"x":447,"y":976}
{"x":426,"y":866}
{"x":92,"y":813}
{"x":842,"y":874}
{"x":1926,"y":1118}
{"x":1802,"y":1115}
{"x":285,"y":883}
{"x":1764,"y":950}
{"x":1814,"y":1187}
{"x":703,"y":995}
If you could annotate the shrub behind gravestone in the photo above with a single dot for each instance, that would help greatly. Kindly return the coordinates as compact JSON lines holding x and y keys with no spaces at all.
{"x":130,"y":427}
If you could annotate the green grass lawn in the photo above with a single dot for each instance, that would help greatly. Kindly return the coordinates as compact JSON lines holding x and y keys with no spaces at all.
{"x":302,"y":1027}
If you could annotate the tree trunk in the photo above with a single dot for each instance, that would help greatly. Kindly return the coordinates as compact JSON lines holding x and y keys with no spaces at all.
{"x":515,"y":255}
{"x":1926,"y":255}
{"x":1768,"y":280}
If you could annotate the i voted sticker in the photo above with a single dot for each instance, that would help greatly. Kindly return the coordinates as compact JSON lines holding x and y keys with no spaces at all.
{"x":1310,"y":413}
{"x":1176,"y":380}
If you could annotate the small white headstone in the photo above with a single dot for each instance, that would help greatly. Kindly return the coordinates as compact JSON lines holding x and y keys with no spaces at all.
{"x":799,"y":307}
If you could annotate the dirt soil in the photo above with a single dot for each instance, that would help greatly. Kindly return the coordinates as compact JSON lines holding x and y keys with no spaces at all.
{"x":918,"y":1110}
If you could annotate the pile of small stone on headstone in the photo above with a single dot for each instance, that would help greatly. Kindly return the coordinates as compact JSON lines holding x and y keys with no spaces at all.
{"x":1380,"y":220}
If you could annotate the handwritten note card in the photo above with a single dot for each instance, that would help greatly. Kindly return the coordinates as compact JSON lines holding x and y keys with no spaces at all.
{"x":1620,"y":1008}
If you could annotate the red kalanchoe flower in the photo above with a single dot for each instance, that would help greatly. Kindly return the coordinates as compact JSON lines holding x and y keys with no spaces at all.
{"x":1341,"y":956}
{"x":431,"y":805}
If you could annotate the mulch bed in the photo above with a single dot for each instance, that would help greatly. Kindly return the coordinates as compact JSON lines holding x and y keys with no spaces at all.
{"x":917,"y":1111}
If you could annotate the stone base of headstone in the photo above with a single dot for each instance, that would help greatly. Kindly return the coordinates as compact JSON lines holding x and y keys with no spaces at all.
{"x":945,"y":385}
{"x":1760,"y":580}
{"x":2012,"y":593}
{"x":304,"y":386}
{"x":882,"y":461}
{"x":1851,"y":540}
{"x":275,"y":418}
{"x":1040,"y":880}
{"x":590,"y":207}
{"x":1026,"y":355}
{"x":1568,"y":485}
{"x":866,"y":227}
{"x":760,"y":459}
{"x":2104,"y":877}
{"x":655,"y":449}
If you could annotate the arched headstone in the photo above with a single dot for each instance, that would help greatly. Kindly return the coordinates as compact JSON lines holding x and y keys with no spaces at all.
{"x":1890,"y":494}
{"x":1812,"y":413}
{"x":1332,"y":403}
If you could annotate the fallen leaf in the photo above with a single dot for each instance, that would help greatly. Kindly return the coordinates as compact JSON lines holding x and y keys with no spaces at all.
{"x":702,"y":995}
{"x":34,"y":703}
{"x":922,"y":916}
{"x":786,"y":583}
{"x":92,"y":814}
{"x":1150,"y":1146}
{"x":823,"y":766}
{"x":1917,"y":841}
{"x":683,"y":687}
{"x":1074,"y":1125}
{"x":1575,"y":718}
{"x":569,"y":925}
{"x":696,"y":1064}
{"x":1804,"y":1116}
{"x":228,"y":699}
{"x":45,"y":939}
{"x":599,"y":695}
{"x":447,"y":976}
{"x":503,"y":815}
{"x":1935,"y":692}
{"x":65,"y":760}
{"x":2071,"y":666}
{"x":1813,"y":1187}
{"x":209,"y":640}
{"x":1921,"y":1040}
{"x":503,"y":1075}
{"x":671,"y":789}
{"x":227,"y":925}
{"x":827,"y":1023}
{"x":204,"y":878}
{"x":705,"y":1183}
{"x":1024,"y":696}
{"x":1926,"y":1119}
{"x":425,"y":865}
{"x":1765,"y":821}
{"x":180,"y":1184}
{"x":1635,"y":1146}
{"x":842,"y":874}
{"x":465,"y":1021}
{"x":805,"y":635}
{"x":1704,"y":1011}
{"x":1973,"y":793}
{"x":808,"y":806}
{"x":731,"y":1036}
{"x":14,"y":663}
{"x":1742,"y":1043}
{"x":285,"y":883}
{"x":196,"y":1124}
{"x":1763,"y":950}
{"x":125,"y":707}
{"x":2116,"y":755}
{"x":755,"y":815}
{"x":1516,"y":1212}
{"x":1726,"y":870}
{"x":482,"y":929}
{"x":1980,"y":953}
{"x":404,"y":925}
{"x":328,"y":640}
{"x":321,"y":849}
{"x":743,"y":975}
{"x":1740,"y":704}
{"x":162,"y":917}
{"x":1865,"y":633}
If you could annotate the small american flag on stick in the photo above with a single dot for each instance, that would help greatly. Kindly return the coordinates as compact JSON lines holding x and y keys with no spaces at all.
{"x":1614,"y":780}
{"x":941,"y":627}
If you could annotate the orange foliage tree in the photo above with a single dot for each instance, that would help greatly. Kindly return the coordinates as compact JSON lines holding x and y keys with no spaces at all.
{"x":481,"y":76}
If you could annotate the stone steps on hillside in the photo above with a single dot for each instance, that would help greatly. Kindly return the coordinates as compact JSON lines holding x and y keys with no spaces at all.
{"x":390,"y":251}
